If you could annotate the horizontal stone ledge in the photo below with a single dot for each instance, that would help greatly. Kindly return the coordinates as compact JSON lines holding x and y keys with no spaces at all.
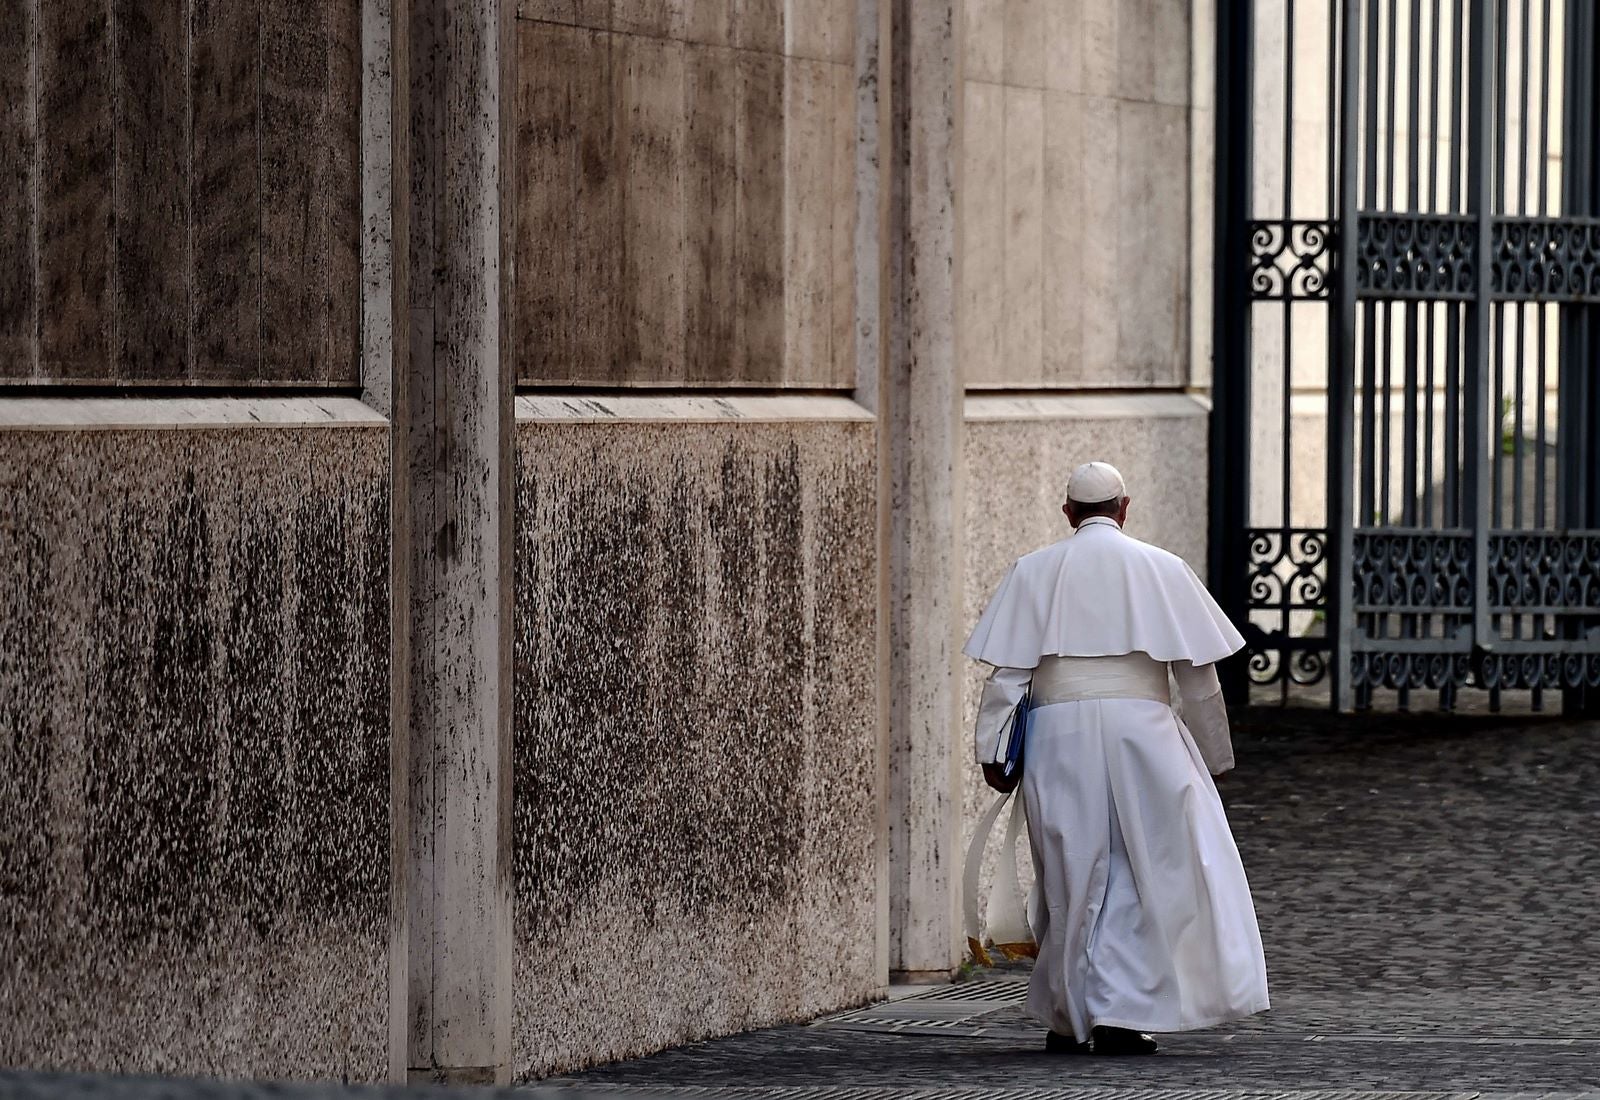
{"x":180,"y":413}
{"x":1087,"y":406}
{"x":689,"y":409}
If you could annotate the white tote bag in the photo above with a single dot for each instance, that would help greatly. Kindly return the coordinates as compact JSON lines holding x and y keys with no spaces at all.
{"x":1007,"y":928}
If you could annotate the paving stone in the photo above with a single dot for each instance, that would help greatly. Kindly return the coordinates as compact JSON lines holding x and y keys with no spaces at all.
{"x":1427,"y":889}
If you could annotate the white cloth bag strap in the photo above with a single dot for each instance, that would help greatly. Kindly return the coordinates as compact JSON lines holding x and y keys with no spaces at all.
{"x":970,"y":875}
{"x":1008,"y":913}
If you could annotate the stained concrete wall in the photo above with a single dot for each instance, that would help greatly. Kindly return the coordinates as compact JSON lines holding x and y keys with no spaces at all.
{"x":194,"y":764}
{"x":194,"y":748}
{"x":1075,"y":183}
{"x":699,"y":582}
{"x":180,"y":193}
{"x":695,"y":741}
{"x":687,"y":194}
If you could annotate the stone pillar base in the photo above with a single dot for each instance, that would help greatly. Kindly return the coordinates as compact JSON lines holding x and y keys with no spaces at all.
{"x":459,"y":1075}
{"x":922,"y":977}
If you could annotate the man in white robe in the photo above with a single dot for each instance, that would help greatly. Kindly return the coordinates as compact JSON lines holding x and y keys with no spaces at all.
{"x":1146,"y":922}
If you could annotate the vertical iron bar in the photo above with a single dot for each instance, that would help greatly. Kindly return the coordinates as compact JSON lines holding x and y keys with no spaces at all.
{"x":1452,"y":416}
{"x":1230,"y":408}
{"x":1452,"y":354}
{"x":1523,"y":60}
{"x":1408,"y":478}
{"x":1286,"y":477}
{"x":1519,"y":382}
{"x":1498,"y":363}
{"x":1338,"y":673}
{"x":1541,"y":442}
{"x":1288,"y":214}
{"x":1502,"y":146}
{"x":1369,"y":330}
{"x":1502,"y":160}
{"x":1569,"y":373}
{"x":1582,"y":454}
{"x":1386,"y":412}
{"x":1578,"y":406}
{"x":1480,"y":112}
{"x":1430,"y":338}
{"x":1342,"y":369}
{"x":1392,"y":66}
{"x":1385,"y":429}
{"x":1433,"y":111}
{"x":1428,"y":383}
{"x":1334,"y":24}
{"x":1540,"y":484}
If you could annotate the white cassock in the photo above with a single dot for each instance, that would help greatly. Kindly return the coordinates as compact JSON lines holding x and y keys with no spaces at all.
{"x":1146,"y":920}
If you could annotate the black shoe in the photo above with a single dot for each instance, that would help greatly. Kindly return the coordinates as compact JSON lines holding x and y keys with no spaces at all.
{"x":1121,"y":1041}
{"x":1056,"y":1043}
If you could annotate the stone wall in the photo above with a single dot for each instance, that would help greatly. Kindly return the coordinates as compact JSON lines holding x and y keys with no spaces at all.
{"x":1074,"y":220}
{"x":180,"y":192}
{"x":193,"y":653}
{"x":194,"y":745}
{"x":686,"y":194}
{"x":695,"y":825}
{"x":194,"y":749}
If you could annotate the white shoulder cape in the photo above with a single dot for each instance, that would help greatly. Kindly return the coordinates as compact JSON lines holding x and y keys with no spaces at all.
{"x":1101,"y":593}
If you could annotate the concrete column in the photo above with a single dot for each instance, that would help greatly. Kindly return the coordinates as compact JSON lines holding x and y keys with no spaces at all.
{"x":385,"y":358}
{"x":452,"y":507}
{"x":921,"y":416}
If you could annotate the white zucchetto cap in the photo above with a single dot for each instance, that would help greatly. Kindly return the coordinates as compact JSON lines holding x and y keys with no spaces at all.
{"x":1094,"y":482}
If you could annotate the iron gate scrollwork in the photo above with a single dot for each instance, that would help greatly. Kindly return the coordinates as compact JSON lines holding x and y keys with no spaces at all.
{"x":1406,"y":409}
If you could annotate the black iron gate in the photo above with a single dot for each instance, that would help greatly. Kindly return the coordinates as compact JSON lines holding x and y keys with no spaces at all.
{"x":1406,"y":421}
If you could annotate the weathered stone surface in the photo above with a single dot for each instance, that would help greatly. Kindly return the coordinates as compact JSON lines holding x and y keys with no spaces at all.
{"x":194,"y":766}
{"x":226,"y":234}
{"x":451,"y":484}
{"x":150,"y":196}
{"x":695,"y":701}
{"x":308,"y":146}
{"x":72,"y":205}
{"x":1075,"y":220}
{"x":920,"y":408}
{"x":687,"y":213}
{"x":182,"y":199}
{"x":1424,"y":886}
{"x":19,"y":290}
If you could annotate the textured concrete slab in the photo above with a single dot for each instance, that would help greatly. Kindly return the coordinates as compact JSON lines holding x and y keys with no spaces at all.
{"x":684,"y":409}
{"x":717,"y":141}
{"x":194,"y":755}
{"x":920,"y":403}
{"x":148,"y":413}
{"x":182,"y":202}
{"x":1075,"y":220}
{"x":695,"y":828}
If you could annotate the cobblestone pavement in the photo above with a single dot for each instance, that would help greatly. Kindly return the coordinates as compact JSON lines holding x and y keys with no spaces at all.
{"x":1428,"y":891}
